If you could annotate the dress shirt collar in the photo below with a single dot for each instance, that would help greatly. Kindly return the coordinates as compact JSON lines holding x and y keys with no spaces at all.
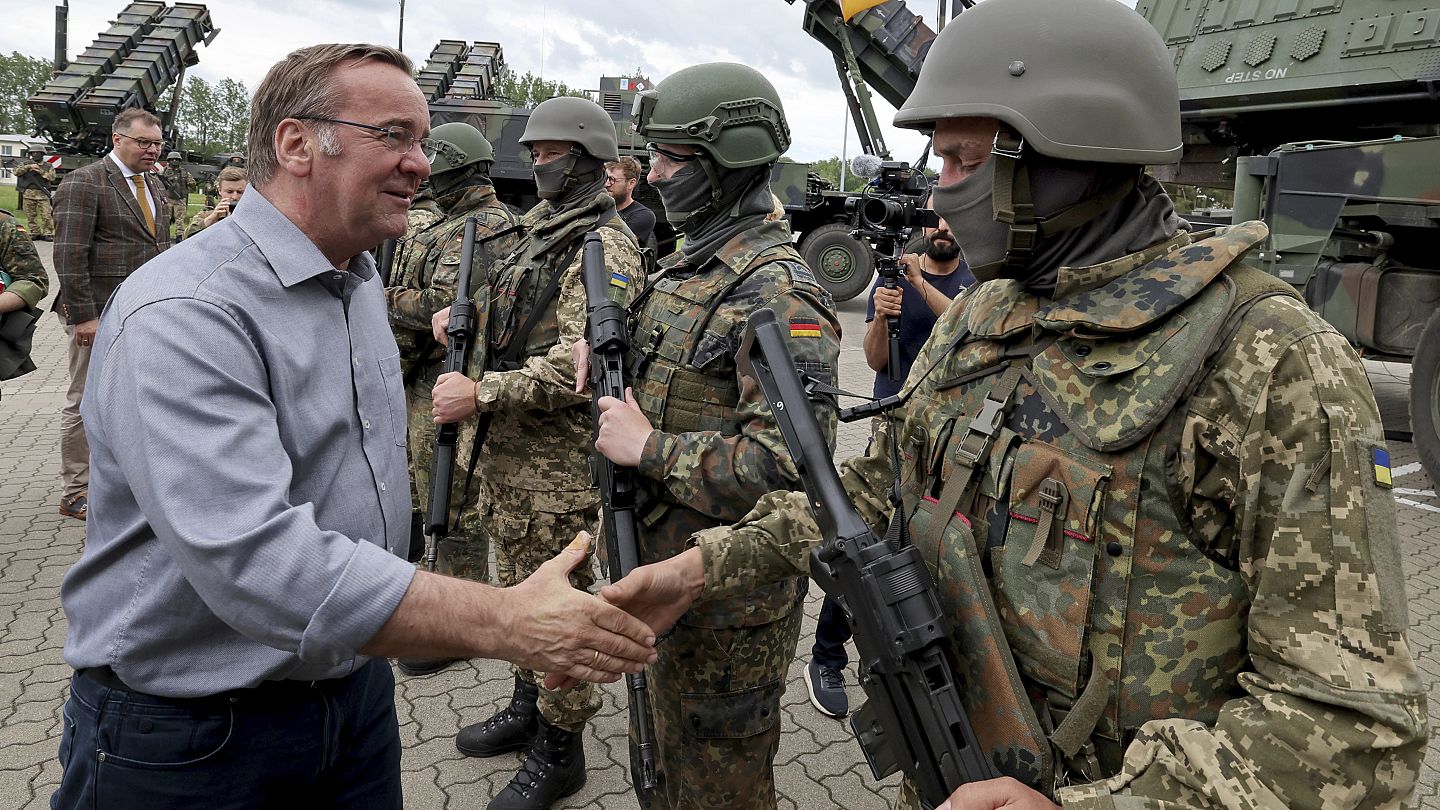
{"x":288,"y":250}
{"x":126,"y":170}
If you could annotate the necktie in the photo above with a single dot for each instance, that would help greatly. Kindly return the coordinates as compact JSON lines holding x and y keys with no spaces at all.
{"x":144,"y":200}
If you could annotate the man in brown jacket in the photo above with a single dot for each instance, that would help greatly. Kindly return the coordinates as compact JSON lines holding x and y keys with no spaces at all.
{"x":110,"y":218}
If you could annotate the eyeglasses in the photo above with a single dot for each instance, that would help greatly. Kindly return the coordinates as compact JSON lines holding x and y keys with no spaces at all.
{"x":655,"y":153}
{"x":397,"y":139}
{"x":145,"y":143}
{"x":609,"y":180}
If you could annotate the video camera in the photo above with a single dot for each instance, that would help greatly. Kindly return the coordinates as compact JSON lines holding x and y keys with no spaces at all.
{"x":887,"y":212}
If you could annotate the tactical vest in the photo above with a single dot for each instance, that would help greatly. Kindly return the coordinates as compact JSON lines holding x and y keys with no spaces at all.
{"x":1066,"y":533}
{"x":30,"y":181}
{"x":683,"y":371}
{"x":417,"y":346}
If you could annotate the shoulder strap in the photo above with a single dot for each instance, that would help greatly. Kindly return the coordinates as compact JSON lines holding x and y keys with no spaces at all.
{"x":768,"y":256}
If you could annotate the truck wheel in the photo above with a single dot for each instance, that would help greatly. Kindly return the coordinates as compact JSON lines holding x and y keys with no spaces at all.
{"x":1425,"y":397}
{"x":842,"y":264}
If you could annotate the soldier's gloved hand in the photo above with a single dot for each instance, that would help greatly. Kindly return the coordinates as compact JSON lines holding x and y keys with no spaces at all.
{"x":887,"y":302}
{"x":453,"y":398}
{"x":580,"y":353}
{"x":440,"y":324}
{"x":993,"y":794}
{"x":624,"y":430}
{"x":570,"y":633}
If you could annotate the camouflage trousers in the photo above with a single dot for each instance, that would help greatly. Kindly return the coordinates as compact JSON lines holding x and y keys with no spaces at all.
{"x":178,"y":218}
{"x":528,"y":528}
{"x":37,"y":214}
{"x":715,"y":697}
{"x":463,"y":553}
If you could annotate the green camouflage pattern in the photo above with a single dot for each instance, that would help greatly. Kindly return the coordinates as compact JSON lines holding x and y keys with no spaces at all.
{"x":39,"y":216}
{"x":423,"y":281}
{"x":716,"y":448}
{"x":717,"y":726}
{"x":19,"y":259}
{"x":715,"y":691}
{"x":528,"y":528}
{"x":1218,"y":601}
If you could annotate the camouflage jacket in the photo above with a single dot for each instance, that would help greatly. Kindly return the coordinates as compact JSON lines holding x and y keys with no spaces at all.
{"x":427,"y":266}
{"x":175,"y":182}
{"x":716,"y":448}
{"x":20,"y":261}
{"x":45,"y":171}
{"x":1207,"y":538}
{"x":540,"y":438}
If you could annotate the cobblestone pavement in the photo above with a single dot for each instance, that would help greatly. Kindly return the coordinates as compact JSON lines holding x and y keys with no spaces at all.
{"x":819,"y":764}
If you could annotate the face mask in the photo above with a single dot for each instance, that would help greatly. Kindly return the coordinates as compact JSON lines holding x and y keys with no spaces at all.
{"x":684,"y":193}
{"x":968,"y":207}
{"x":550,"y":178}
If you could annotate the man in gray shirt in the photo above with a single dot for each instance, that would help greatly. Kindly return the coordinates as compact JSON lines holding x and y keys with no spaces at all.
{"x":245,"y":551}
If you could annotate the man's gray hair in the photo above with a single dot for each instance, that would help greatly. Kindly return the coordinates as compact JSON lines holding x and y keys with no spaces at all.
{"x":302,"y":85}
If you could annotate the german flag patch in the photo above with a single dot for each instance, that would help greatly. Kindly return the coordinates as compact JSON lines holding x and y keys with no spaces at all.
{"x":804,"y":327}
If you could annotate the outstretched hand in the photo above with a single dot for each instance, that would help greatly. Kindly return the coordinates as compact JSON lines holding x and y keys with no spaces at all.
{"x":570,"y":633}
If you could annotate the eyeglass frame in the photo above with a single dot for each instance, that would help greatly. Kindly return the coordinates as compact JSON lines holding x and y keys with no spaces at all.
{"x":386,"y":134}
{"x":145,"y":143}
{"x":674,"y":157}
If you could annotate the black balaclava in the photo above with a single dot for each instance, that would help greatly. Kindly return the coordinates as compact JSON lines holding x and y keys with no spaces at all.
{"x":711,"y":204}
{"x":570,"y":182}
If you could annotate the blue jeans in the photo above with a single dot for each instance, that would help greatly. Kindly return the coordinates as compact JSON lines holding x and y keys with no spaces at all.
{"x":331,"y":744}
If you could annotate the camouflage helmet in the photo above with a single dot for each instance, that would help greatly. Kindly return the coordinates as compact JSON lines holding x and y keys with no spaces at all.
{"x":577,"y":120}
{"x":729,"y":110}
{"x":1086,"y":80}
{"x":456,"y":145}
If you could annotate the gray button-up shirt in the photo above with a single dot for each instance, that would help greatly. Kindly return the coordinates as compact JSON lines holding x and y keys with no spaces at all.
{"x":249,"y":498}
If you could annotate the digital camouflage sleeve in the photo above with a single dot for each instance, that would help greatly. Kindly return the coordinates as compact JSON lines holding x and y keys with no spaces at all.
{"x":411,"y":308}
{"x":723,"y":476}
{"x":1334,"y":714}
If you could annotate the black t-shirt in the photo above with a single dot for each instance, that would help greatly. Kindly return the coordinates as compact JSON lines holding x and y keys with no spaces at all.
{"x":640,"y":220}
{"x":916,"y":320}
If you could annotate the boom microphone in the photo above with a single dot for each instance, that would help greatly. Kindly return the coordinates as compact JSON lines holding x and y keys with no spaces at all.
{"x":866,"y":166}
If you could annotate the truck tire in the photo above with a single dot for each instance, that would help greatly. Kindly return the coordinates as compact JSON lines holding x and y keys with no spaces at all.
{"x":842,"y":264}
{"x":1425,"y":397}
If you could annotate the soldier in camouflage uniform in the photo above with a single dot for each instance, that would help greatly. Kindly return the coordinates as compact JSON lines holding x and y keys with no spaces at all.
{"x":177,"y":187}
{"x":35,"y":180}
{"x":23,"y":284}
{"x":534,"y":487}
{"x":1151,"y":485}
{"x":231,"y":183}
{"x":703,"y":442}
{"x":422,"y":282}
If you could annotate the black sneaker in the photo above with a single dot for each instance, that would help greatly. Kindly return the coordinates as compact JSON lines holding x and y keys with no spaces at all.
{"x":827,"y":689}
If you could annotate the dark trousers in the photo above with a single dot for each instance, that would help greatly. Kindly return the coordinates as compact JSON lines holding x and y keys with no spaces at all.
{"x":831,"y":633}
{"x":330,"y":744}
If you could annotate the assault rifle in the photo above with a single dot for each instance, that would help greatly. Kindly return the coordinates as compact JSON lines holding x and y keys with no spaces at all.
{"x":457,"y":354}
{"x":385,"y":262}
{"x":913,"y":718}
{"x":609,"y":342}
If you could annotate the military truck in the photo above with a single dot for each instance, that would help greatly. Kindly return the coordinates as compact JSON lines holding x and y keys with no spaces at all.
{"x":1324,"y":119}
{"x":144,"y":52}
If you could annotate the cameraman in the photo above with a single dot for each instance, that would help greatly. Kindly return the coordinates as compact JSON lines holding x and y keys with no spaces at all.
{"x":231,"y":182}
{"x":932,"y":278}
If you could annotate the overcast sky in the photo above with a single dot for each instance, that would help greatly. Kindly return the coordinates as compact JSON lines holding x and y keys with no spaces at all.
{"x":573,"y":41}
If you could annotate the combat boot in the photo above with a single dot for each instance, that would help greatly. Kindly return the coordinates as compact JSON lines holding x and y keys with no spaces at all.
{"x":511,"y":729}
{"x":554,"y":769}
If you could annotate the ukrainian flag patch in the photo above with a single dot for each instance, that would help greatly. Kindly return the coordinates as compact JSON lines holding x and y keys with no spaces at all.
{"x":618,"y":279}
{"x":1381,"y":459}
{"x":804,"y":327}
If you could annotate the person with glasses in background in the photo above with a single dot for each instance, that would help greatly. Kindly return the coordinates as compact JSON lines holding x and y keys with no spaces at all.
{"x":244,"y":574}
{"x":621,"y":177}
{"x":110,"y":217}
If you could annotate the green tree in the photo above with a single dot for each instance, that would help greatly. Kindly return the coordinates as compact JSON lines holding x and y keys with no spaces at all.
{"x":232,"y":101}
{"x":829,"y":168}
{"x":529,"y":90}
{"x":20,"y":77}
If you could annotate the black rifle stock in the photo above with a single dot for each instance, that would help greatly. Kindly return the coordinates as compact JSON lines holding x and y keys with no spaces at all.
{"x":609,"y":343}
{"x":386,"y":263}
{"x":457,"y":354}
{"x":913,"y":718}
